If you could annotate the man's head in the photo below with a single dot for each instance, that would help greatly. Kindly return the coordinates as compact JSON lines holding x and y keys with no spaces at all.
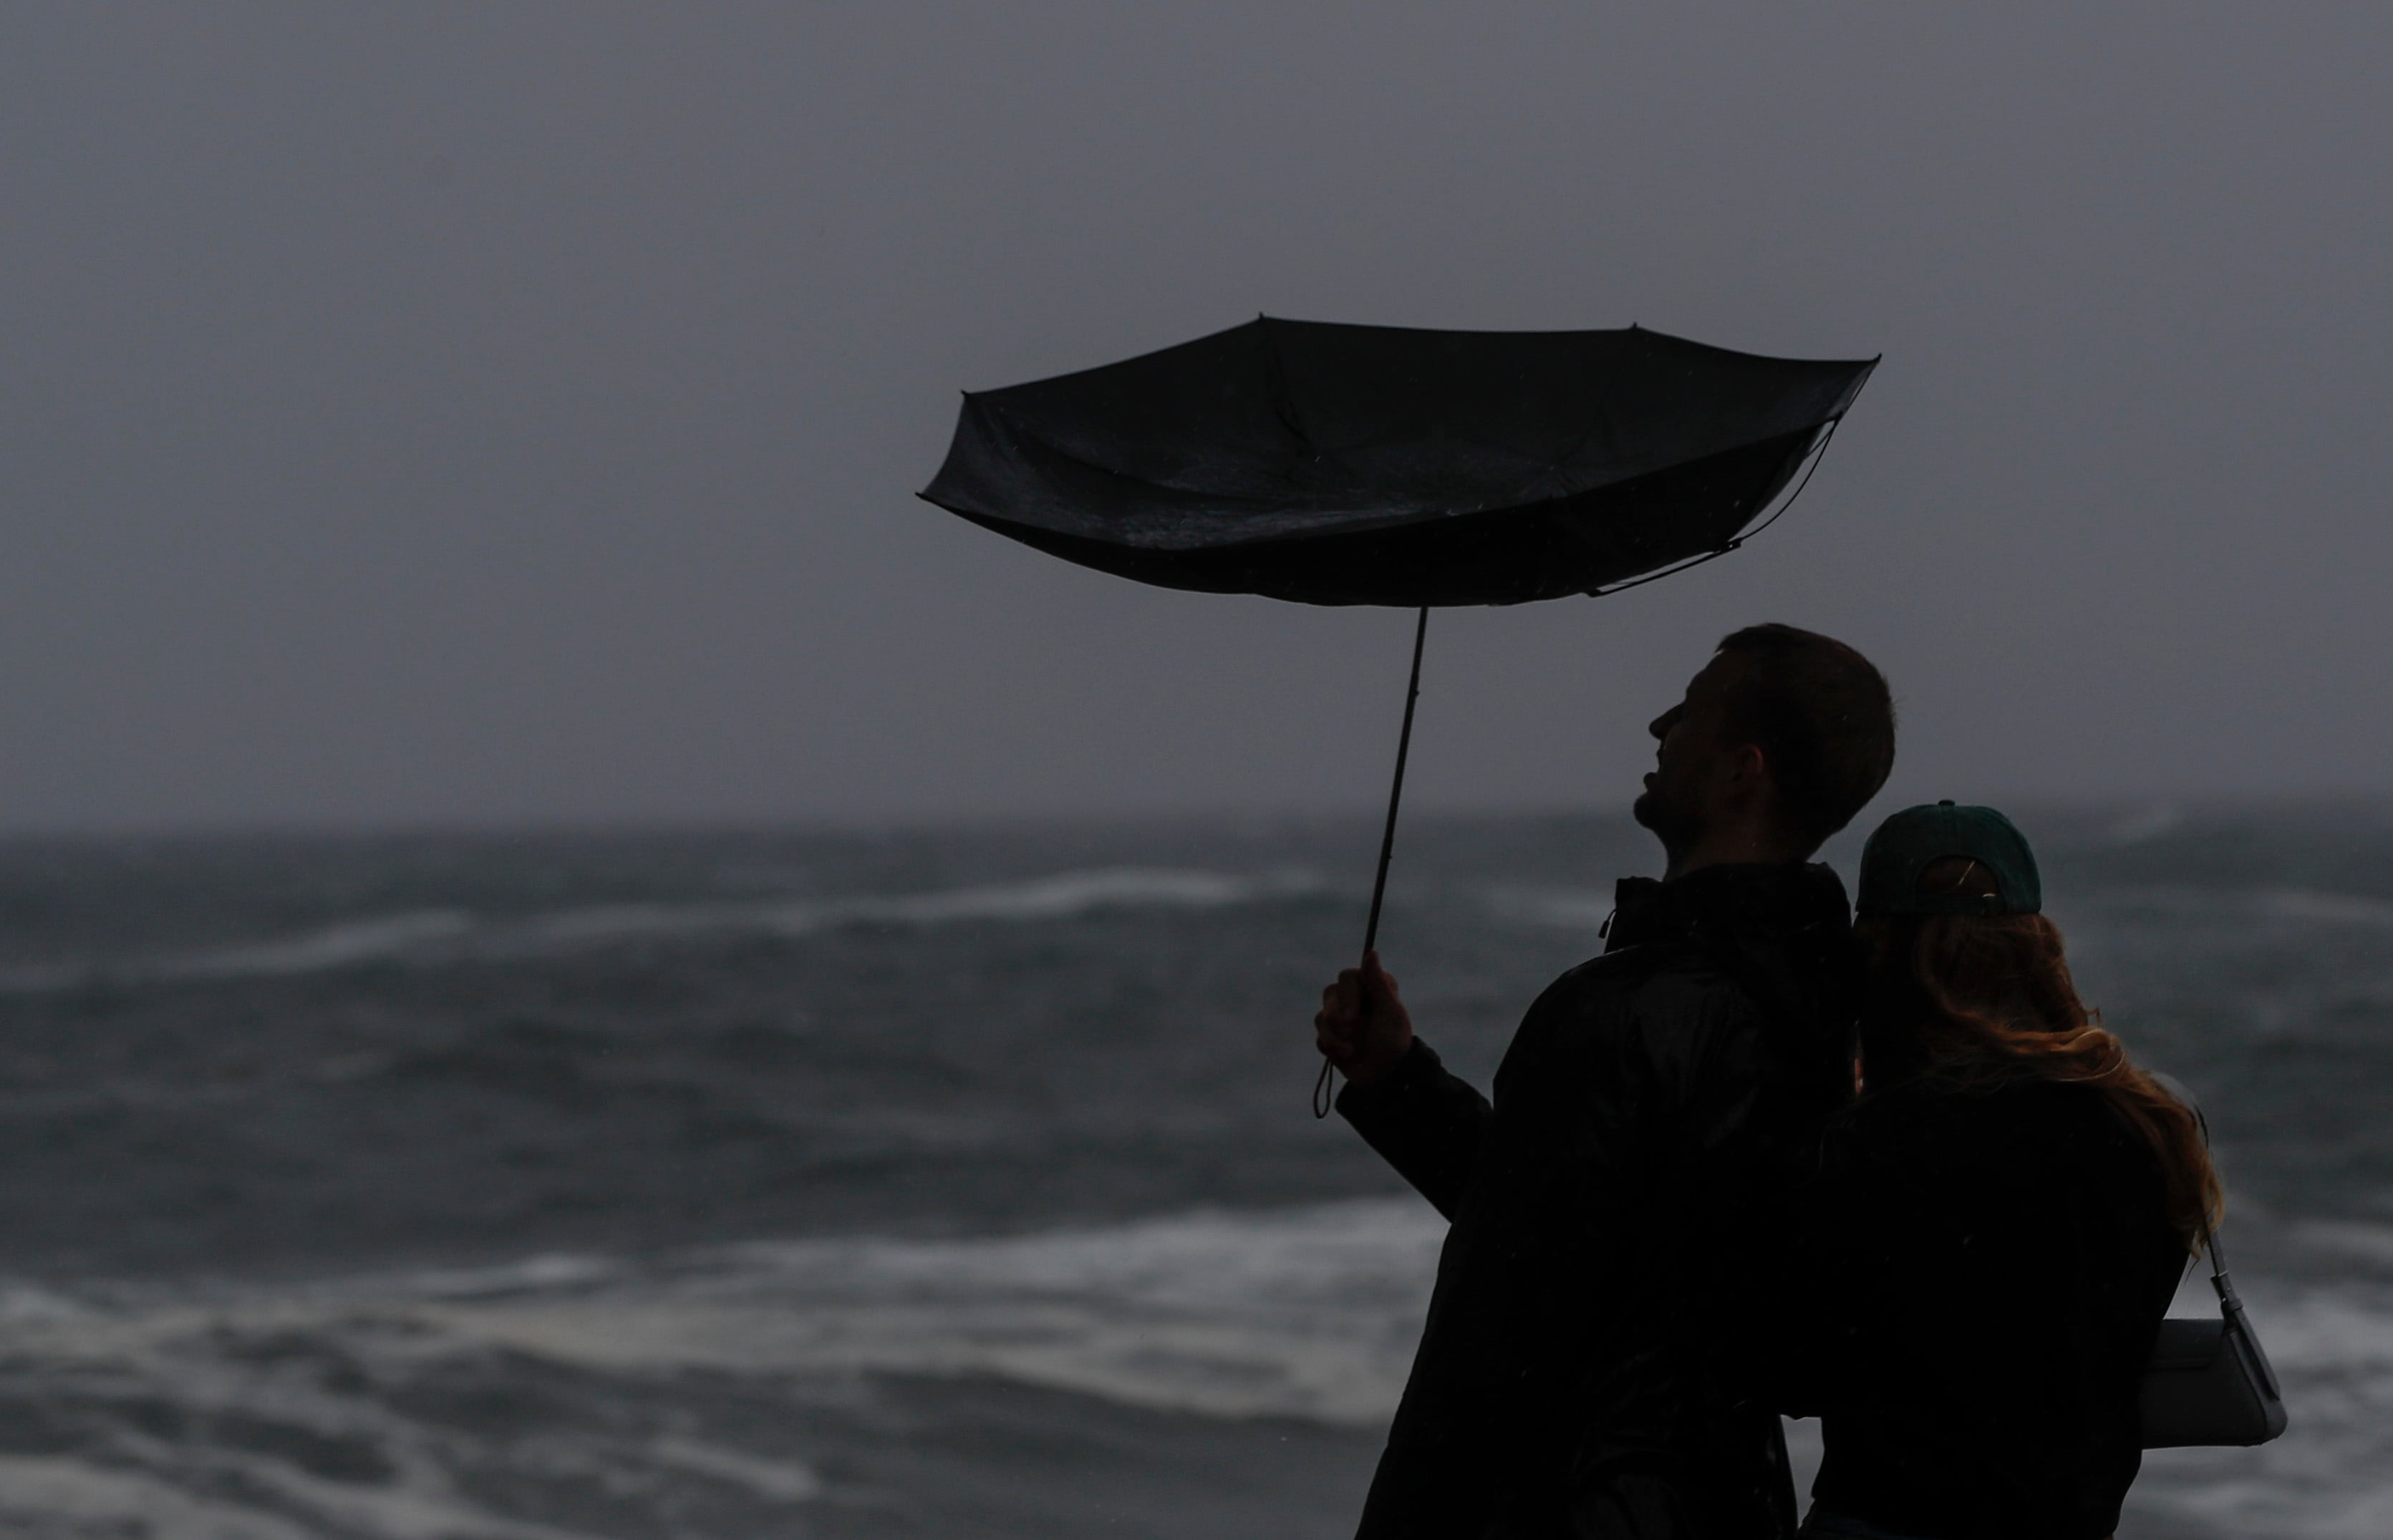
{"x":1780,"y":740}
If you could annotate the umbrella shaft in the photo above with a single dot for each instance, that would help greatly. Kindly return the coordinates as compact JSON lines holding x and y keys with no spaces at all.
{"x":1396,"y":791}
{"x":1321,"y":1097}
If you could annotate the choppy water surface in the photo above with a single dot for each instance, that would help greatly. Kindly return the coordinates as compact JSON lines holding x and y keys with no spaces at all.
{"x":935,"y":1184}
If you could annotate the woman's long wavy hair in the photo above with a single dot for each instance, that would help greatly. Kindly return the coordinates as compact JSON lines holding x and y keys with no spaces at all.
{"x":1980,"y":1001}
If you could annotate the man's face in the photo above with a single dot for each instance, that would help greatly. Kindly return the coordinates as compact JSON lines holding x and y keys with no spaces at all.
{"x":1690,"y":756}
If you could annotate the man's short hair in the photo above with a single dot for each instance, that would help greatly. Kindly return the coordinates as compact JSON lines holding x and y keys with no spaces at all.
{"x":1822,"y":716}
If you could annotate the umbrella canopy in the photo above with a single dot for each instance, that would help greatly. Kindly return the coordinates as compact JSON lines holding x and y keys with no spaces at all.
{"x":1388,"y":466}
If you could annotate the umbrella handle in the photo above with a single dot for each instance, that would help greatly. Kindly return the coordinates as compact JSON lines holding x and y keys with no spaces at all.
{"x":1321,"y":1096}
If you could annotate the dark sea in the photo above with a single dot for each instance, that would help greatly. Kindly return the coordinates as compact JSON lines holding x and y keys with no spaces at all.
{"x":940,"y":1183}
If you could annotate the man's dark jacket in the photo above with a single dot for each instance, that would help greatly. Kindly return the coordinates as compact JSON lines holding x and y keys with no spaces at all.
{"x":1584,"y":1368}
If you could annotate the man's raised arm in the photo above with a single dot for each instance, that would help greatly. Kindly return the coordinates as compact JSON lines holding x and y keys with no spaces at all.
{"x":1425,"y":1122}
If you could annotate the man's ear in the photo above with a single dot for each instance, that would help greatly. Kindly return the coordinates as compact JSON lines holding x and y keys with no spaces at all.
{"x":1748,"y":766}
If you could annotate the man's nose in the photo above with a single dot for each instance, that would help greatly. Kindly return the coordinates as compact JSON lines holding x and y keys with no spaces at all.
{"x":1660,"y":725}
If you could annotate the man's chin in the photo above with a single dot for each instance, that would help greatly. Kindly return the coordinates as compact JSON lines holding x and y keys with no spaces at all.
{"x":1654,"y":813}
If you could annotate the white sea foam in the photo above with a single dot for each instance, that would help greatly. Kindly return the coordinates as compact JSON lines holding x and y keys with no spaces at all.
{"x":1304,"y":1314}
{"x":549,"y":1273}
{"x":23,"y":1301}
{"x":437,"y":936}
{"x":1073,"y":893}
{"x":780,"y":1481}
{"x":1308,"y":1313}
{"x":335,"y":947}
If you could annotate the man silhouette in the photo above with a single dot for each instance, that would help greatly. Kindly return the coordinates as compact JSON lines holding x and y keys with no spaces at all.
{"x":1584,"y":1369}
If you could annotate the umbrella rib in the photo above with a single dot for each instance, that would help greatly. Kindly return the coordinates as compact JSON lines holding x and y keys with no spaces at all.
{"x":1818,"y":452}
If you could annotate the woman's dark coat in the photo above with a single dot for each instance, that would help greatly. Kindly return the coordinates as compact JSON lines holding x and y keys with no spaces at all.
{"x":1982,"y":1275}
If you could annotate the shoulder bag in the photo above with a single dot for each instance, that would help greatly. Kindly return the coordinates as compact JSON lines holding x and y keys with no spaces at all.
{"x":2207,"y":1381}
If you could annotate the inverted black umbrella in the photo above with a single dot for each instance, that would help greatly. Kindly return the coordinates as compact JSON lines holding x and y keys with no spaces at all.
{"x":1389,"y":466}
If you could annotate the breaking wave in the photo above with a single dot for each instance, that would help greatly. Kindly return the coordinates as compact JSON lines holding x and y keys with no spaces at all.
{"x":419,"y":1404}
{"x":1307,"y":1312}
{"x":349,"y":1405}
{"x":451,"y":935}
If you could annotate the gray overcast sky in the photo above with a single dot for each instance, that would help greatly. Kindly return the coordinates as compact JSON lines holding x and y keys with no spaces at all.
{"x":477,"y":413}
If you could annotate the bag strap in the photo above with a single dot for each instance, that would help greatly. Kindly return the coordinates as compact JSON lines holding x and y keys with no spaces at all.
{"x":2231,"y":1304}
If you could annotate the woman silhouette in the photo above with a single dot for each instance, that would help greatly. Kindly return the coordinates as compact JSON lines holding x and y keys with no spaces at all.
{"x":1997,"y":1222}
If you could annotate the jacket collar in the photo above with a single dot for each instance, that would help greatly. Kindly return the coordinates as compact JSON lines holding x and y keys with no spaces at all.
{"x":1737,"y":901}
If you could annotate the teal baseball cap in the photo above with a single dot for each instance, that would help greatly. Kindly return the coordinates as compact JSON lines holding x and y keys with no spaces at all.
{"x":1916,"y":838}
